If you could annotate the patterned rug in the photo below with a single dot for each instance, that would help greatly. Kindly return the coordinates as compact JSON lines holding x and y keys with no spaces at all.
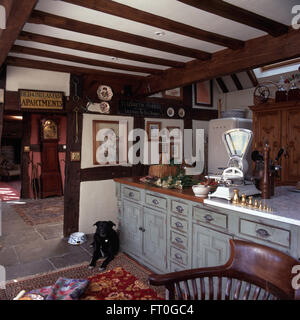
{"x":118,"y":284}
{"x":136,"y":277}
{"x":49,"y":210}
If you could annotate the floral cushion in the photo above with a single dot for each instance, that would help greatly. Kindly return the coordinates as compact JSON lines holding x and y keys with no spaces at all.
{"x":63,"y":289}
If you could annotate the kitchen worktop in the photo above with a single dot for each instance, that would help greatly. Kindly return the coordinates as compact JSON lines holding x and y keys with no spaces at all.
{"x":285,"y":203}
{"x":186,"y":193}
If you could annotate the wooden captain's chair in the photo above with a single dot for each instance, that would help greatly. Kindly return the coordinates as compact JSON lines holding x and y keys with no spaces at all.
{"x":253,"y":272}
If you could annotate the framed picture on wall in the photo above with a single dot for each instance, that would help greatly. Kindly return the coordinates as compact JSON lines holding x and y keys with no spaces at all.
{"x":113,"y":141}
{"x":176,"y":93}
{"x":151,"y":125}
{"x":203,"y":94}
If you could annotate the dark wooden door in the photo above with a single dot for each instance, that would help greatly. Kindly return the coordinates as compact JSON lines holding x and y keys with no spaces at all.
{"x":267,"y":129}
{"x":291,"y":136}
{"x":50,"y":175}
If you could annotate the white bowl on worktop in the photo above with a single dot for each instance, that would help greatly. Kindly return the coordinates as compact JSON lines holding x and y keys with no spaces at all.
{"x":201,"y":190}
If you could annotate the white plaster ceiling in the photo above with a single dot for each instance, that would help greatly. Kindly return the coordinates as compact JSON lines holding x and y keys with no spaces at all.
{"x":279,"y":10}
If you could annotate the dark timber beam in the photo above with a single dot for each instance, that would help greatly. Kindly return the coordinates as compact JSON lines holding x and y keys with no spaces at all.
{"x":39,"y":17}
{"x":36,"y":64}
{"x":27,"y":36}
{"x":256,"y":53}
{"x":130,"y":13}
{"x":252,"y":77}
{"x":19,"y":12}
{"x":222,"y":85}
{"x":232,"y":12}
{"x":77,"y":59}
{"x":236,"y":81}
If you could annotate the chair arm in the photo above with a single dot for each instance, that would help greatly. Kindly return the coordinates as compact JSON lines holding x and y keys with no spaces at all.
{"x":168,"y":278}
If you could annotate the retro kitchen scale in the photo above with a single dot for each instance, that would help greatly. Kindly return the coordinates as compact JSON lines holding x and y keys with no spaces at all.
{"x":237,"y":143}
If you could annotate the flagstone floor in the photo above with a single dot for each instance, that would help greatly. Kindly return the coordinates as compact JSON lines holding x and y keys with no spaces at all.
{"x":28,"y":250}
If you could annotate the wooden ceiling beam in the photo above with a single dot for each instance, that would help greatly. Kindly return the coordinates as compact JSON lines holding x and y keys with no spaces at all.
{"x":256,"y":53}
{"x":83,"y":60}
{"x":70,"y":44}
{"x":130,"y":13}
{"x":19,"y":12}
{"x":222,"y":85}
{"x":39,"y":17}
{"x":252,"y":77}
{"x":236,"y":81}
{"x":44,"y":65}
{"x":235,"y":13}
{"x":280,"y":64}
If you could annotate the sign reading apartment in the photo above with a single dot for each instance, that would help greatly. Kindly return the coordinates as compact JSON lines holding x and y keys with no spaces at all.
{"x":46,"y":100}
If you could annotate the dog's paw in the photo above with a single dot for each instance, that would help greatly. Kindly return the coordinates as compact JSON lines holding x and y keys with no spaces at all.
{"x":102,"y":269}
{"x":91,"y":267}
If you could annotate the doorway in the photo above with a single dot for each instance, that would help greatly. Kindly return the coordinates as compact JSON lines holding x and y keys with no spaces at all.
{"x":10,"y":157}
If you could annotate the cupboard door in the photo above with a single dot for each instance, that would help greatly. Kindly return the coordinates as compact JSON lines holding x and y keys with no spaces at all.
{"x":131,"y":222}
{"x":266,"y":128}
{"x":210,"y":248}
{"x":291,"y":133}
{"x":155,"y":239}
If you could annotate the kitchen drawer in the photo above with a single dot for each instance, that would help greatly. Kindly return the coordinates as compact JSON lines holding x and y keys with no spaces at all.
{"x":265,"y":232}
{"x":132,"y":194}
{"x":179,"y":208}
{"x":179,"y":224}
{"x":155,"y":201}
{"x":179,"y":256}
{"x":213,"y":218}
{"x":174,"y":267}
{"x":179,"y":240}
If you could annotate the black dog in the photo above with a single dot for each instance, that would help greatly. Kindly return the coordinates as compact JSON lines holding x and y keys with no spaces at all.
{"x":106,"y":243}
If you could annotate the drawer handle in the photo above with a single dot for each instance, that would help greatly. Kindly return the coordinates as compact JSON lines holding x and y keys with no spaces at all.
{"x":178,"y":256}
{"x":131,"y":194}
{"x":178,"y":240}
{"x":155,"y":202}
{"x":263,"y":233}
{"x":179,"y":209}
{"x":142,"y":229}
{"x":179,"y":225}
{"x":208,"y":218}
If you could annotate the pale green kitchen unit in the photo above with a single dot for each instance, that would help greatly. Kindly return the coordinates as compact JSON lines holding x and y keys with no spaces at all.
{"x":167,"y":233}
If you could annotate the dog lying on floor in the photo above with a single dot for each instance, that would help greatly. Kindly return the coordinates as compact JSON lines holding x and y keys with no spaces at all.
{"x":106,"y":243}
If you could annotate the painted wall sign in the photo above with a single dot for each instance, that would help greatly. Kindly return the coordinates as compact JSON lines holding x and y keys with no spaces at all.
{"x":35,"y":99}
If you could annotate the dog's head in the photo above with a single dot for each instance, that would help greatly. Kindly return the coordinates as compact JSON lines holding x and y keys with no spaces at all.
{"x":104,"y":228}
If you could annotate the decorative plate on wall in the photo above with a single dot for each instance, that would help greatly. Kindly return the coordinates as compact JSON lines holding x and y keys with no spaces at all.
{"x":105,"y":93}
{"x":181,"y":112}
{"x":170,"y":112}
{"x":104,"y":107}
